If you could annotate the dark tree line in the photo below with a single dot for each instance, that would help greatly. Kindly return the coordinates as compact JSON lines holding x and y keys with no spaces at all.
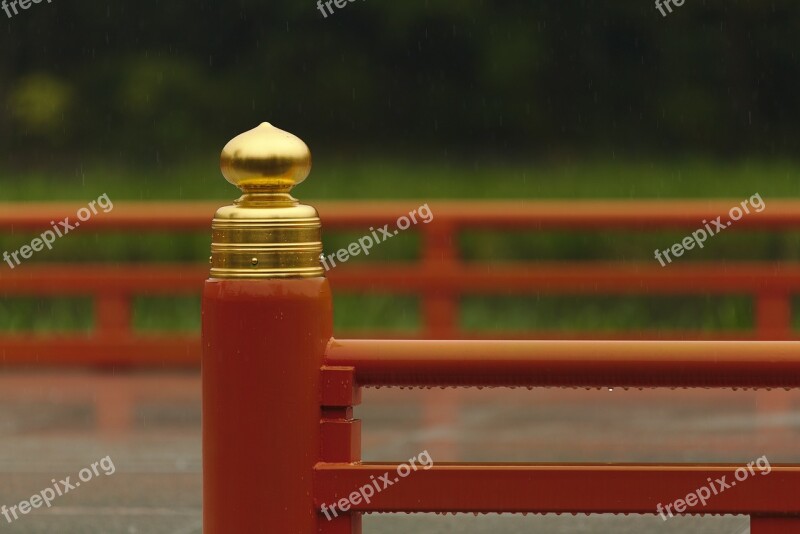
{"x":580,"y":76}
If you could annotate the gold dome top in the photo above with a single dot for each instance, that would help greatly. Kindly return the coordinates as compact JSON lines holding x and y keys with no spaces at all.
{"x":265,"y":159}
{"x":266,"y":233}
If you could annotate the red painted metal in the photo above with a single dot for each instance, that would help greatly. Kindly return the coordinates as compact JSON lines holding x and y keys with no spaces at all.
{"x":571,"y":278}
{"x":103,"y":280}
{"x":559,"y":488}
{"x":340,"y":435}
{"x":114,"y":287}
{"x":102,"y":350}
{"x":570,"y":363}
{"x":263,"y":344}
{"x":557,"y":278}
{"x":503,"y":214}
{"x":440,"y":279}
{"x":283,"y":391}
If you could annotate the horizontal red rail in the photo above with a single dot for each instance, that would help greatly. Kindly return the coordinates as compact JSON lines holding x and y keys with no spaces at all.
{"x":586,"y":214}
{"x":766,"y":494}
{"x":558,"y":488}
{"x":560,"y":278}
{"x":82,"y":279}
{"x":570,"y":363}
{"x":575,"y":278}
{"x":87,"y":279}
{"x":116,"y":344}
{"x":440,"y":278}
{"x":102,"y":350}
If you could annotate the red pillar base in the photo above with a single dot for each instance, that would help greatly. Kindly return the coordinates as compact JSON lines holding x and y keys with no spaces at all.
{"x":263,"y":343}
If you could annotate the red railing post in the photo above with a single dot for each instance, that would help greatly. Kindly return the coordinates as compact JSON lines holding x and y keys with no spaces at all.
{"x":267,"y":318}
{"x":113,"y":314}
{"x":440,"y":306}
{"x":773,"y":316}
{"x":341,"y":439}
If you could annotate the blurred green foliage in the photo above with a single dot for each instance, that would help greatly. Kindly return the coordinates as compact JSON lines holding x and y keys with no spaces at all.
{"x":147,"y":80}
{"x":335,"y":176}
{"x":408,"y":100}
{"x":605,"y":313}
{"x":45,"y":316}
{"x":376,"y":178}
{"x":38,"y":102}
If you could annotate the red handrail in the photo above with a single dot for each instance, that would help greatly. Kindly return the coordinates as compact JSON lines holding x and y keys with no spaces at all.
{"x":539,"y":487}
{"x":561,"y":488}
{"x":440,"y":278}
{"x":551,"y":214}
{"x":280,"y":442}
{"x":599,"y":364}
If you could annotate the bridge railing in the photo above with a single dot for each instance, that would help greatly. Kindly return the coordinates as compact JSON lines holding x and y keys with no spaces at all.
{"x":281,"y":445}
{"x":440,"y":278}
{"x":539,"y":487}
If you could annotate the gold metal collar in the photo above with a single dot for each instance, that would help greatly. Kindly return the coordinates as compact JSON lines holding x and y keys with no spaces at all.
{"x":266,"y":233}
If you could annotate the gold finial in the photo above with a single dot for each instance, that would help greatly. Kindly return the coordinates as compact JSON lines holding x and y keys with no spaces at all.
{"x":266,"y":233}
{"x":265,"y":159}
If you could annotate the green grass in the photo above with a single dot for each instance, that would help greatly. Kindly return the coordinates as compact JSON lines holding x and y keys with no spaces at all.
{"x":401,"y":314}
{"x":353,"y":312}
{"x":164,"y":314}
{"x":336,"y":177}
{"x":376,"y":311}
{"x":46,"y":315}
{"x":425,"y":180}
{"x":509,"y":314}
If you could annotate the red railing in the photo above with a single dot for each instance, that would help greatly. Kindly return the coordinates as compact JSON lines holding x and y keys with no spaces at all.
{"x":288,"y":388}
{"x":548,"y":488}
{"x":440,"y":278}
{"x":278,"y":388}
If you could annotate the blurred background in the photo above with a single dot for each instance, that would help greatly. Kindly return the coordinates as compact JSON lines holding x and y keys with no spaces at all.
{"x":418,"y":101}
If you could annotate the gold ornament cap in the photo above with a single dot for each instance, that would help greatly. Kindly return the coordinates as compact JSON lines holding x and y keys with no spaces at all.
{"x":266,"y":233}
{"x":265,"y":159}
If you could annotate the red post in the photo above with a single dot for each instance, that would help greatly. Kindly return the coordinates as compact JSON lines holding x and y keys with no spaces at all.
{"x":440,"y":305}
{"x":341,"y":440}
{"x":263,"y":346}
{"x":773,"y":316}
{"x":113,"y":314}
{"x":267,"y":319}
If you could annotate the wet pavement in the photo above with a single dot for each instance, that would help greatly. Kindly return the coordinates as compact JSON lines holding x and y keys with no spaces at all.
{"x":53,"y":425}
